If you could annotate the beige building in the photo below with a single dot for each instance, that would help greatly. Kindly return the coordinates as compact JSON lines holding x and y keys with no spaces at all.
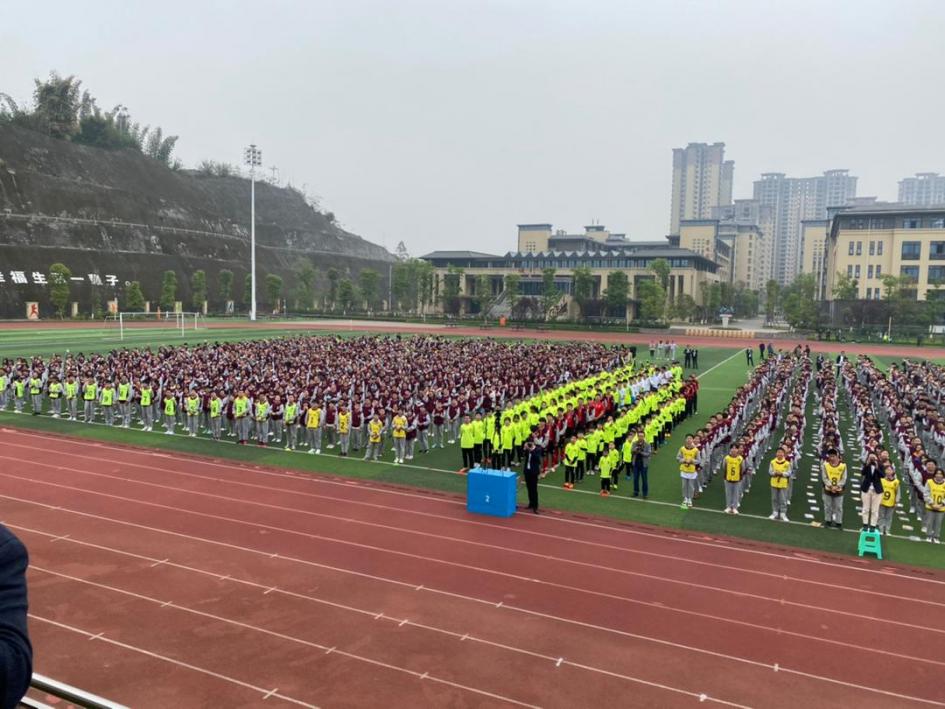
{"x":867,"y":243}
{"x":598,"y":250}
{"x":751,"y":212}
{"x":738,"y":249}
{"x":813,"y":241}
{"x":702,"y":180}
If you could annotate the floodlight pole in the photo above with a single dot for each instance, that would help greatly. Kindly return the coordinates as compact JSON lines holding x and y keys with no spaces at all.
{"x":252,"y":156}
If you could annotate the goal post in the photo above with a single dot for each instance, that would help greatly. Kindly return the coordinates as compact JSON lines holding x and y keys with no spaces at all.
{"x":180,"y":323}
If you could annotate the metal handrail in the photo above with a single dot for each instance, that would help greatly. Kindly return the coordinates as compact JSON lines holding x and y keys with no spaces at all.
{"x":68,"y":693}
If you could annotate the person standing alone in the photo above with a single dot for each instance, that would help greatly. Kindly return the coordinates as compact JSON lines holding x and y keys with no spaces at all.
{"x":533,"y":458}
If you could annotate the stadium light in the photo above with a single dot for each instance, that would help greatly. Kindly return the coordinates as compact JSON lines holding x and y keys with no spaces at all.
{"x":252,"y":156}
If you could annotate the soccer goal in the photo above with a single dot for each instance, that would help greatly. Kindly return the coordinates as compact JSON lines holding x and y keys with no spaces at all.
{"x":179,"y":323}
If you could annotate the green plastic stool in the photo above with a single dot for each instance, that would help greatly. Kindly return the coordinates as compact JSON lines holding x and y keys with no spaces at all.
{"x":870,"y":544}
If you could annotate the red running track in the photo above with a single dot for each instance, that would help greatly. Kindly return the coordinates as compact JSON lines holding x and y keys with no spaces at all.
{"x":160,"y":580}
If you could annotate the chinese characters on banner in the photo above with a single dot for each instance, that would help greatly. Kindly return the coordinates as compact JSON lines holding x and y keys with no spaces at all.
{"x":38,"y":278}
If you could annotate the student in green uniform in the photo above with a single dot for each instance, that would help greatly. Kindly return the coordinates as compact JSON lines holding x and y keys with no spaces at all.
{"x":467,"y":442}
{"x":19,"y":394}
{"x":479,"y":437}
{"x":261,"y":416}
{"x":89,"y":395}
{"x":36,"y":393}
{"x":291,"y":415}
{"x":570,"y":463}
{"x":606,"y":471}
{"x":170,"y":412}
{"x":581,"y":456}
{"x":106,"y":399}
{"x":192,"y":410}
{"x":71,"y":391}
{"x":55,"y":389}
{"x":4,"y":388}
{"x":146,"y":401}
{"x":124,"y":402}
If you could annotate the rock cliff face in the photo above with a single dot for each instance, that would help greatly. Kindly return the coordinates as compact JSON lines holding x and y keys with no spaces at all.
{"x":118,"y":216}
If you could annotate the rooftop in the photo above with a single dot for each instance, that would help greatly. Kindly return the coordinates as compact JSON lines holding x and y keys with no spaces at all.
{"x":459,"y":255}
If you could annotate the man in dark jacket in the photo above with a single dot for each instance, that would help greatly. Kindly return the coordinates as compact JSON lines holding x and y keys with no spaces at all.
{"x":16,"y":653}
{"x":533,"y":458}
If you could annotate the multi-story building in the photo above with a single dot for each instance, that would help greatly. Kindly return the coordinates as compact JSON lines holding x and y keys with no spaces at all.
{"x":596,"y":250}
{"x":794,"y":200}
{"x":702,"y":180}
{"x":738,"y":249}
{"x":925,"y":189}
{"x":870,"y":242}
{"x":813,"y":241}
{"x":751,"y":212}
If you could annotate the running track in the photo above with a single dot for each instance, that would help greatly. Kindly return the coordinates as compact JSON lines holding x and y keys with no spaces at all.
{"x":160,"y":580}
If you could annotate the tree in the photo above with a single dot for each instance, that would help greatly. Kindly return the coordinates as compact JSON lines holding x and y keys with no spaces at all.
{"x":550,"y":295}
{"x":772,"y":299}
{"x":225,"y":283}
{"x":799,"y":302}
{"x":715,"y":300}
{"x":134,"y":297}
{"x":347,"y":294}
{"x":168,"y":290}
{"x":369,"y":283}
{"x":332,"y":297}
{"x":582,"y":286}
{"x":401,"y":252}
{"x":661,"y":268}
{"x":59,"y":275}
{"x":198,"y":289}
{"x":483,"y":294}
{"x":451,"y":289}
{"x":617,"y":292}
{"x":56,"y":104}
{"x":425,"y":278}
{"x":652,"y":298}
{"x":403,"y":288}
{"x":273,"y":290}
{"x":685,"y":307}
{"x":305,"y":276}
{"x":160,"y":147}
{"x":845,"y":287}
{"x":248,"y":291}
{"x":513,"y":287}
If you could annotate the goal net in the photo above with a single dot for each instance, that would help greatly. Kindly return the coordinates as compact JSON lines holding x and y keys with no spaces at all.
{"x":130,"y":324}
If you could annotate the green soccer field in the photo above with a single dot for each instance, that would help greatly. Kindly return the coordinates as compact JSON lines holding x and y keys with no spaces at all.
{"x":721,"y":371}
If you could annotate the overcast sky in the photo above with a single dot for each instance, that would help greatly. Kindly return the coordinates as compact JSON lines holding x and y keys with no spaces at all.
{"x":444,"y":123}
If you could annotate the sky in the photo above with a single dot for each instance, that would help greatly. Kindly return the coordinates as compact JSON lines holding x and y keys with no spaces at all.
{"x":444,"y":124}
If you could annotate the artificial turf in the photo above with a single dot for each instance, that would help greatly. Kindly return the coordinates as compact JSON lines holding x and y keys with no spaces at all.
{"x":721,"y":371}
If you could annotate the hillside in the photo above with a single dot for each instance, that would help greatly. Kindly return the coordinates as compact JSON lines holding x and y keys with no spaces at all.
{"x":119,"y":213}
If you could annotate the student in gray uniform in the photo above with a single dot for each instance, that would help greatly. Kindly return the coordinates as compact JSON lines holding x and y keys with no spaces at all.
{"x":833,"y":474}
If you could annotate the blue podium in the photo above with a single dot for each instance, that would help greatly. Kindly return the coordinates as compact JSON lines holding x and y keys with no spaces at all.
{"x":491,"y":492}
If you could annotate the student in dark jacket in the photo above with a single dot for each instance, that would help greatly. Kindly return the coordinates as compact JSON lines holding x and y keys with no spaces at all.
{"x":871,"y":492}
{"x":533,"y":458}
{"x":16,"y":653}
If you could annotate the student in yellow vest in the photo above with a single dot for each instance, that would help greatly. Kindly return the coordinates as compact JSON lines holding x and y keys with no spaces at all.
{"x":581,"y":456}
{"x":688,"y":456}
{"x":124,"y":402}
{"x":192,"y":411}
{"x":734,"y":468}
{"x":241,"y":417}
{"x":170,"y":412}
{"x":506,"y":443}
{"x":19,"y":393}
{"x":55,"y":389}
{"x":146,"y":402}
{"x":36,"y":393}
{"x":467,"y":442}
{"x":291,"y":415}
{"x":343,"y":425}
{"x":216,"y":415}
{"x":261,"y":417}
{"x":834,"y":477}
{"x":71,"y":391}
{"x":313,"y":427}
{"x":780,"y":472}
{"x":570,"y":463}
{"x":4,"y":388}
{"x":934,"y":506}
{"x":614,"y":456}
{"x":887,"y":506}
{"x":398,"y":426}
{"x":479,"y":437}
{"x":606,"y":466}
{"x":375,"y":433}
{"x":107,"y":400}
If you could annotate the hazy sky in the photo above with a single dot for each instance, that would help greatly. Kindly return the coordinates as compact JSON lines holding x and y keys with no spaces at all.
{"x":445,"y":123}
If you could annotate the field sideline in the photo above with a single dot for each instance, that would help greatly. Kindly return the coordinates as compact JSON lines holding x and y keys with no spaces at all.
{"x":722,"y":370}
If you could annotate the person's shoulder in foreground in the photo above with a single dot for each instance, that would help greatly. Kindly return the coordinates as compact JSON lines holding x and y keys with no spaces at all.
{"x":16,"y":653}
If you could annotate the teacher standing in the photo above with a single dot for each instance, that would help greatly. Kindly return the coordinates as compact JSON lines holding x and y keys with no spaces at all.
{"x":533,"y":458}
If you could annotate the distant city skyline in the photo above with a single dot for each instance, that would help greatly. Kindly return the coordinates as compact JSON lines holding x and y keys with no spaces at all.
{"x":451,"y":123}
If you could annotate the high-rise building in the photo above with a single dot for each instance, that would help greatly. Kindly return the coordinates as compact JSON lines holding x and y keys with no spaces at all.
{"x":794,"y":200}
{"x":751,"y":212}
{"x":923,"y":190}
{"x":702,"y":179}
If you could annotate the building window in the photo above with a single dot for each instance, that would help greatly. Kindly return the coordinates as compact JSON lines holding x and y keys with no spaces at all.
{"x":911,"y":250}
{"x":910,"y":272}
{"x":859,"y":248}
{"x":869,"y":272}
{"x":910,"y":223}
{"x":879,"y":270}
{"x":937,"y":250}
{"x":856,"y":271}
{"x":938,"y":223}
{"x":879,"y":248}
{"x":869,"y":293}
{"x":872,"y":248}
{"x":876,"y":294}
{"x":936,"y":274}
{"x":850,"y":271}
{"x":850,"y":249}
